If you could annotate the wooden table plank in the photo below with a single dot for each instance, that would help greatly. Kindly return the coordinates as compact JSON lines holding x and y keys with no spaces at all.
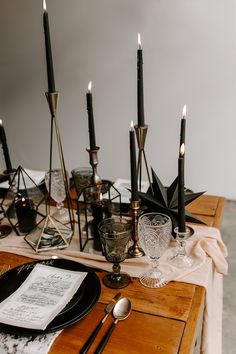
{"x":152,"y":334}
{"x":173,"y":300}
{"x":208,"y":208}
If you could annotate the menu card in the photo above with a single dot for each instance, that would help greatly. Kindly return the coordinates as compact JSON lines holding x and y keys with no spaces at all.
{"x":43,"y":294}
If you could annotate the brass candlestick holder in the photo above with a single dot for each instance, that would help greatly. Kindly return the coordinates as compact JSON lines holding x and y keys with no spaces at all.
{"x":54,"y":233}
{"x":141,"y":133}
{"x":93,"y":160}
{"x":135,"y":251}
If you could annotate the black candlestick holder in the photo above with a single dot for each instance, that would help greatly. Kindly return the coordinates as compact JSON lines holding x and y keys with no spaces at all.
{"x":135,"y":251}
{"x":54,"y":233}
{"x":141,"y":133}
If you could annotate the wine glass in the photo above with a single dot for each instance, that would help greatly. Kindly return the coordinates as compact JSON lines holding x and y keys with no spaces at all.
{"x":55,"y":183}
{"x":154,"y":231}
{"x":115,"y":235}
{"x":180,"y":259}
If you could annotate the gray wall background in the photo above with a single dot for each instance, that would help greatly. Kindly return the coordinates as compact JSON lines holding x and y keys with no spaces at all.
{"x":189,"y":58}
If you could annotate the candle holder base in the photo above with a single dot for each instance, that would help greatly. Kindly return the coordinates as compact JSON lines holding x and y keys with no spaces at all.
{"x":50,"y":234}
{"x":136,"y":252}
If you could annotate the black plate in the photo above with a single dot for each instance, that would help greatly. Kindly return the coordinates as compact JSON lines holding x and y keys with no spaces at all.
{"x":80,"y":305}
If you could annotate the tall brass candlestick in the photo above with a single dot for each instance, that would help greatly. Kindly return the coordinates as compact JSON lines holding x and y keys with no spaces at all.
{"x":135,"y":251}
{"x":93,"y":160}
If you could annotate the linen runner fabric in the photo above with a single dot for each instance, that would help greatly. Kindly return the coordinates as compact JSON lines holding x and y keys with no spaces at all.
{"x":207,"y":249}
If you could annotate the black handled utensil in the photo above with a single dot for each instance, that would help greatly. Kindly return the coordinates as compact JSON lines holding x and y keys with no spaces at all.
{"x":91,"y":338}
{"x":121,"y":311}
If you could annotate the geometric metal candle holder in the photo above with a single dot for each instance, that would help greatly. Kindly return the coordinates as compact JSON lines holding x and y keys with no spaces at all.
{"x":141,"y":133}
{"x":23,"y":204}
{"x":95,"y":203}
{"x":53,"y":233}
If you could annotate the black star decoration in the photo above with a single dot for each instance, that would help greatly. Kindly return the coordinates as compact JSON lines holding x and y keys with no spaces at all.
{"x":165,"y":200}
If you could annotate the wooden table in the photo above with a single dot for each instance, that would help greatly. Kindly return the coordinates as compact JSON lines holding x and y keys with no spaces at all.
{"x":166,"y":320}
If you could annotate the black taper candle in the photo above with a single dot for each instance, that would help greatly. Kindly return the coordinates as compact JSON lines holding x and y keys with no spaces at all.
{"x":92,"y":139}
{"x":181,"y":198}
{"x":140,"y":98}
{"x":3,"y":141}
{"x":182,"y":129}
{"x":50,"y":72}
{"x":133,"y":167}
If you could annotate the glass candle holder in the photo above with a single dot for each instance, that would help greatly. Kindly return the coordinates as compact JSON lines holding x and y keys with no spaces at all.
{"x":181,"y":259}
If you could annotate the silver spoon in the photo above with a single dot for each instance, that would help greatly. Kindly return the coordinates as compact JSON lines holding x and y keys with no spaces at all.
{"x":121,"y":311}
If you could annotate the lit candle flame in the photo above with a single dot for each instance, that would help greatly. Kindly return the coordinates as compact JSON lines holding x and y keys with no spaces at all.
{"x":90,"y":86}
{"x":184,"y":111}
{"x":0,"y":122}
{"x":23,"y":199}
{"x":139,"y":41}
{"x":132,"y":125}
{"x":100,"y":197}
{"x":44,"y":5}
{"x":182,"y":150}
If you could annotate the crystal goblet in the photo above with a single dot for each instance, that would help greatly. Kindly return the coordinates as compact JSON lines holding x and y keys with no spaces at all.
{"x":55,"y":184}
{"x":154,"y":231}
{"x":180,"y":259}
{"x":115,"y":235}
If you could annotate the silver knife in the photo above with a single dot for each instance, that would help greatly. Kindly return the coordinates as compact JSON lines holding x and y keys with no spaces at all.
{"x":108,"y":310}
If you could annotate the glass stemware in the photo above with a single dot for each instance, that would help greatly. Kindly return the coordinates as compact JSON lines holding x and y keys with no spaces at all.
{"x":181,"y":259}
{"x":57,"y":192}
{"x":154,"y":231}
{"x":115,"y":235}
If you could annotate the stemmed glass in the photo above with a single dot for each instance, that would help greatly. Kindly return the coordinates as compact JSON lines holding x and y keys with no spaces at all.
{"x":57,"y":191}
{"x":181,"y":259}
{"x":154,"y":231}
{"x":115,"y":235}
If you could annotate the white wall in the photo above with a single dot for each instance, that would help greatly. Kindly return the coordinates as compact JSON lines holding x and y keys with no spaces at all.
{"x":189,"y":57}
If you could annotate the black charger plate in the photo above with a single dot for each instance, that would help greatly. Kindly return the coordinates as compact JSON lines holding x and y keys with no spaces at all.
{"x":80,"y":305}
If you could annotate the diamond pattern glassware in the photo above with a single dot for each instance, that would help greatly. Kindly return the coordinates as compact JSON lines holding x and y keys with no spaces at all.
{"x":154,"y":231}
{"x":57,"y":192}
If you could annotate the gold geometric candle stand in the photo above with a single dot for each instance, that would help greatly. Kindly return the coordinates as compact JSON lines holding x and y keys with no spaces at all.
{"x":53,"y":233}
{"x":141,"y":133}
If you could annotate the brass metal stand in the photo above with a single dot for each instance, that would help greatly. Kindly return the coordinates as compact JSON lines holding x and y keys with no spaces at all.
{"x":52,"y":98}
{"x":141,"y":133}
{"x":51,"y":226}
{"x":135,"y":251}
{"x":93,"y":160}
